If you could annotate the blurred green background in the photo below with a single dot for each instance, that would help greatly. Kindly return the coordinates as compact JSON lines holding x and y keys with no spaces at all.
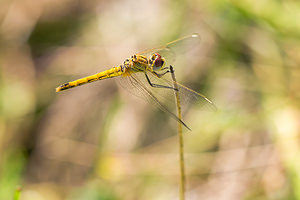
{"x":99,"y":142}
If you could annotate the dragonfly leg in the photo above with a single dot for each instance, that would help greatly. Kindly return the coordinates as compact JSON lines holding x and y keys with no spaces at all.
{"x":162,"y":74}
{"x":165,"y":68}
{"x":158,"y":85}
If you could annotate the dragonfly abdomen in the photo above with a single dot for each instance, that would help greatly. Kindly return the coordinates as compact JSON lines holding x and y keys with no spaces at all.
{"x":115,"y":71}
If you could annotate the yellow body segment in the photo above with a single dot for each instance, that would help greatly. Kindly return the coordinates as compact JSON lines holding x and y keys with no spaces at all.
{"x":115,"y":71}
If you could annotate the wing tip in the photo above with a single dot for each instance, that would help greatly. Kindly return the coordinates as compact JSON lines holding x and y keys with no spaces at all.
{"x":195,"y":35}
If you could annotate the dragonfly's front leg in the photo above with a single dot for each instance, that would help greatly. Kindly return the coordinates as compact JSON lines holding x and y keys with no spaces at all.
{"x":159,"y":76}
{"x":162,"y":74}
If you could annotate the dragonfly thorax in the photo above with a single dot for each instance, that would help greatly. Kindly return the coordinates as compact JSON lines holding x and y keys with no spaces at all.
{"x":154,"y":63}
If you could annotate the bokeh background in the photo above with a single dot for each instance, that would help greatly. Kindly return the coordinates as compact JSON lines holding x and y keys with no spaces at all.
{"x":100,"y":142}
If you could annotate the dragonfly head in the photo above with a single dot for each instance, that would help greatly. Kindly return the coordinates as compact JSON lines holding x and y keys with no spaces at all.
{"x":156,"y":62}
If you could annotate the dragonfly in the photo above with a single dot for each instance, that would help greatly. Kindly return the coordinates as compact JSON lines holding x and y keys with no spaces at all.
{"x":146,"y":73}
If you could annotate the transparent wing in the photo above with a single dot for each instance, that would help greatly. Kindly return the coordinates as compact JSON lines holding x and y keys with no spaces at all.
{"x":163,"y":98}
{"x":187,"y":95}
{"x":140,"y":87}
{"x":172,"y":49}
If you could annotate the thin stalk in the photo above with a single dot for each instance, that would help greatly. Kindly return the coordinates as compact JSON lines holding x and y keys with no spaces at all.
{"x":180,"y":138}
{"x":17,"y":193}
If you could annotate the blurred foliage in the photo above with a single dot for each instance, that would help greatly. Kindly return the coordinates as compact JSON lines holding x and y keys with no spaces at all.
{"x":100,"y":142}
{"x":40,"y":40}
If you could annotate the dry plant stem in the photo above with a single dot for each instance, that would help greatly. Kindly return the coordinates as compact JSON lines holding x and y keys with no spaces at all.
{"x":180,"y":137}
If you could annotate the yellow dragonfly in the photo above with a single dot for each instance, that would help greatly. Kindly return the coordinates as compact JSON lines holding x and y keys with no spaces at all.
{"x":146,"y":72}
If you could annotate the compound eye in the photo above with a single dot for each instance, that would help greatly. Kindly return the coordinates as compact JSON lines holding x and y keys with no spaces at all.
{"x":158,"y":62}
